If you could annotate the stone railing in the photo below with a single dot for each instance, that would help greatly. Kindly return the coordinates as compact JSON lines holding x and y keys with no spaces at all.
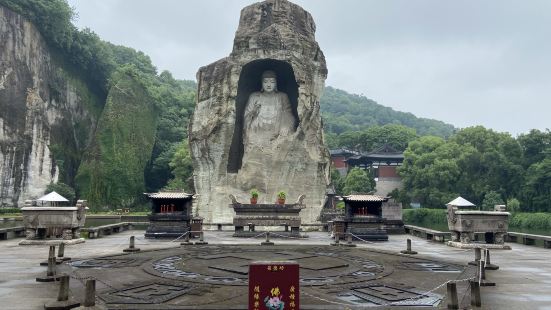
{"x":12,"y":232}
{"x":426,"y":233}
{"x":528,"y":239}
{"x":98,"y":231}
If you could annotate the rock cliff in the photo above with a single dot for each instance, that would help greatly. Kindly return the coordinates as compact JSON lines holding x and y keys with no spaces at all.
{"x":272,"y":35}
{"x":47,"y":114}
{"x":112,"y":173}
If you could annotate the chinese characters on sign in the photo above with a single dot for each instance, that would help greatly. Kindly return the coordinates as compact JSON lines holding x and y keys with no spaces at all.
{"x":273,"y":286}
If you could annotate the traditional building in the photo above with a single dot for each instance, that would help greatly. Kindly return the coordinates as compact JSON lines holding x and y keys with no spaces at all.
{"x":382,"y":163}
{"x":339,"y":157}
{"x":362,"y":219}
{"x":170,"y":214}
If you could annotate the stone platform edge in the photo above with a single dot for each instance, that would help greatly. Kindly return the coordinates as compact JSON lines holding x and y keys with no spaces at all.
{"x":460,"y":245}
{"x":52,"y":242}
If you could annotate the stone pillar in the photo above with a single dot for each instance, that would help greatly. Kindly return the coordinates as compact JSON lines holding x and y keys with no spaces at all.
{"x":349,"y":240}
{"x":63,"y":289}
{"x":453,"y":302}
{"x":186,"y":240}
{"x":475,"y":294}
{"x":131,"y":246}
{"x":489,"y":265}
{"x":336,"y":242}
{"x":267,"y":242}
{"x":90,"y":294}
{"x":408,"y":248}
{"x":63,"y":300}
{"x":50,"y":272}
{"x":477,"y":256}
{"x":201,"y":239}
{"x":482,"y":275}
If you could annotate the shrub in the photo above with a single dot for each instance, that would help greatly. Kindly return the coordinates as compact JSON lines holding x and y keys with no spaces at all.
{"x":9,"y":210}
{"x":254,"y":193}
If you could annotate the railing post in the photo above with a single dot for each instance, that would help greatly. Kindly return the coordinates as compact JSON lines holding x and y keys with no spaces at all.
{"x":201,"y":239}
{"x":349,"y":240}
{"x":336,"y":242}
{"x":131,"y":246}
{"x":186,"y":240}
{"x":50,"y":272}
{"x":453,"y":302}
{"x":90,"y":294}
{"x":477,"y":256}
{"x":267,"y":242}
{"x":475,"y":294}
{"x":63,"y":301}
{"x":408,"y":248}
{"x":489,"y":265}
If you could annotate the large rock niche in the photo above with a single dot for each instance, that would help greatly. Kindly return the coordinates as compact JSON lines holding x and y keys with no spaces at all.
{"x":272,"y":35}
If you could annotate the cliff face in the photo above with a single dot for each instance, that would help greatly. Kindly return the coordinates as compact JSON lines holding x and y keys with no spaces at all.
{"x":274,"y":35}
{"x":112,"y":173}
{"x":46,"y":117}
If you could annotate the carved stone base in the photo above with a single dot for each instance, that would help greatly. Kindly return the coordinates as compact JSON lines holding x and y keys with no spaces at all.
{"x":130,"y":250}
{"x":62,"y":305}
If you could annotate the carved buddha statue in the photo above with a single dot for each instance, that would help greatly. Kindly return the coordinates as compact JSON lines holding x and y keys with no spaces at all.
{"x":268,"y":115}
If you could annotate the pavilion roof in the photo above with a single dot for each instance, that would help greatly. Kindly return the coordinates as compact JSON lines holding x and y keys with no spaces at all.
{"x":461,"y":202}
{"x":53,"y":197}
{"x":364,"y":197}
{"x":169,"y":195}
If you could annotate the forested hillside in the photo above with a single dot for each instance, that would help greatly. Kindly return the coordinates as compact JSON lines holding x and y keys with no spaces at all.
{"x":343,"y":112}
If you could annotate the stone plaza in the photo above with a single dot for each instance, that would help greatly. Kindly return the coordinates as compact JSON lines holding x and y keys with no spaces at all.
{"x":165,"y":275}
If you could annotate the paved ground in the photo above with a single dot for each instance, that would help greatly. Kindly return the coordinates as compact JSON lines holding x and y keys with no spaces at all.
{"x":523,"y":280}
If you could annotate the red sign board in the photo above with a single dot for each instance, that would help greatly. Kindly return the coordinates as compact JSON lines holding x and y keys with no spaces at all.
{"x":273,"y":286}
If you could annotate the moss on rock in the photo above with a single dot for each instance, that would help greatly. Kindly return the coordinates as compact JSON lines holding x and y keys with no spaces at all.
{"x":113,"y":172}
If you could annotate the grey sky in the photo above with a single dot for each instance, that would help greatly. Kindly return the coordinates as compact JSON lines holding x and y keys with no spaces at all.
{"x":467,"y":62}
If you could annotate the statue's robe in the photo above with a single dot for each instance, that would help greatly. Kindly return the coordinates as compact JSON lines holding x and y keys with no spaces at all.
{"x":268,"y":122}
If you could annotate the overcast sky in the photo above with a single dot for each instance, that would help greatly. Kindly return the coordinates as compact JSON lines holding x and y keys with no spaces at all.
{"x":463,"y":62}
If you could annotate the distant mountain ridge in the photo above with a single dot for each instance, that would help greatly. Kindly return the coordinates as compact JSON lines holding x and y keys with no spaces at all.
{"x":343,"y":111}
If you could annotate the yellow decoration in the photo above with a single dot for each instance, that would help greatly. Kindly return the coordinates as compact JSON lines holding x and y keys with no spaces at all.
{"x":275,"y":291}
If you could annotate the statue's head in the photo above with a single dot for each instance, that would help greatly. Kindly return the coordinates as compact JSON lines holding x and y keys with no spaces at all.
{"x":269,"y":81}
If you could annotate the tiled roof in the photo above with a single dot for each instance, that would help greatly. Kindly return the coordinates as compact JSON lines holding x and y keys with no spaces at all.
{"x":357,"y":197}
{"x":169,"y":195}
{"x":343,"y":152}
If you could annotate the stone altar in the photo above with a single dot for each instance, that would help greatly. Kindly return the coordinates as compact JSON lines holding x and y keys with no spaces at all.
{"x":252,"y":215}
{"x":49,"y":225}
{"x":282,"y":149}
{"x":463,"y":223}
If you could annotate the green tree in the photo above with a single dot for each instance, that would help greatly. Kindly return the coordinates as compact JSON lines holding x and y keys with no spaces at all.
{"x":536,"y":146}
{"x":537,"y":188}
{"x":472,"y":163}
{"x":358,"y":181}
{"x":491,"y":199}
{"x":62,"y":189}
{"x":337,"y":180}
{"x":513,"y":205}
{"x":182,"y":167}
